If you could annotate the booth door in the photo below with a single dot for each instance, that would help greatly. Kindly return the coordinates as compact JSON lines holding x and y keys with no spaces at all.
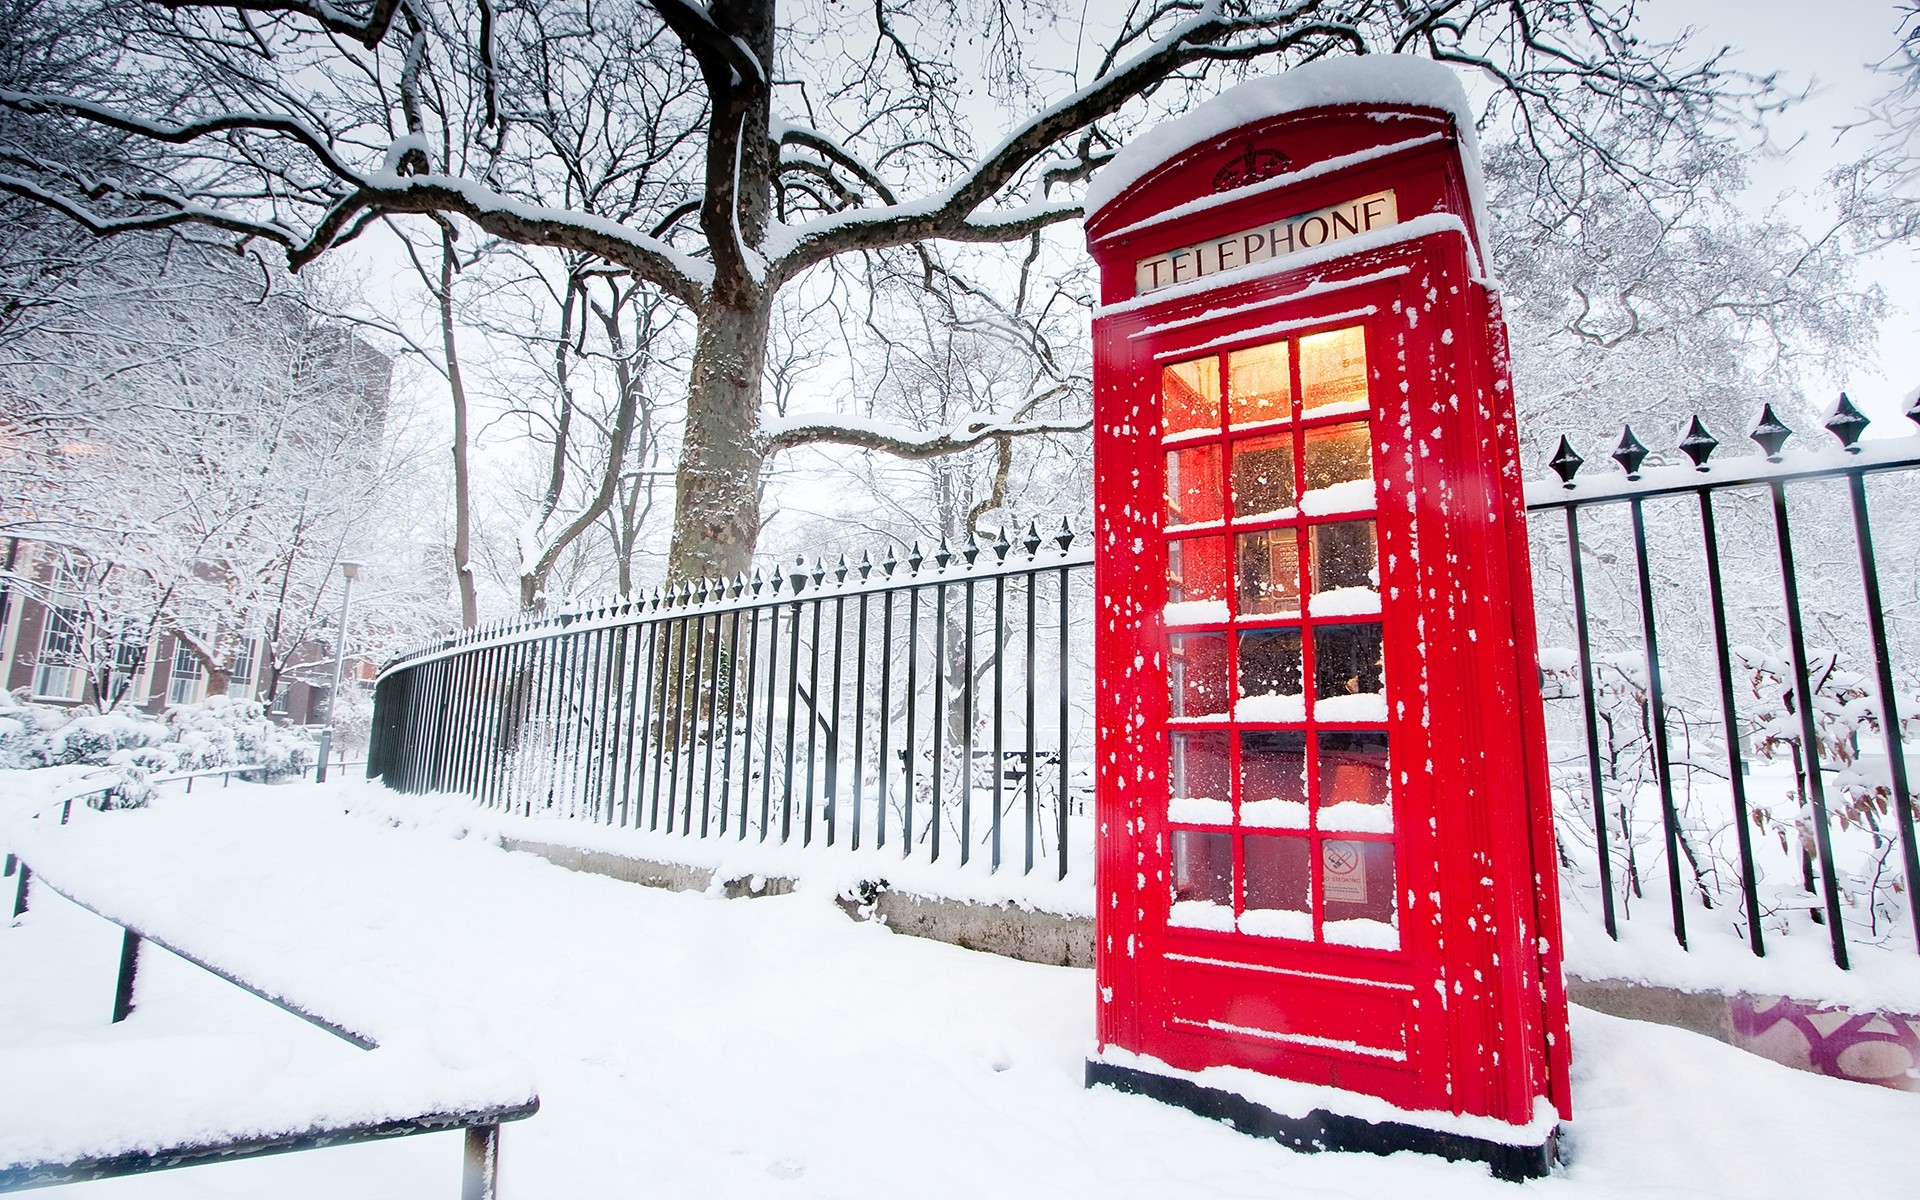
{"x":1293,"y":832}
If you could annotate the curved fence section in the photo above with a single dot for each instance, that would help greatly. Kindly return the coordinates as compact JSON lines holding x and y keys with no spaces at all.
{"x":1730,"y":653}
{"x":938,"y":704}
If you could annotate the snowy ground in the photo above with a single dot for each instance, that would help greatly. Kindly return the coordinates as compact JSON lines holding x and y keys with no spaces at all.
{"x":689,"y":1046}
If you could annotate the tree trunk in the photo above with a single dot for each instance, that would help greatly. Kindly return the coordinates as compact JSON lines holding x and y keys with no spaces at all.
{"x":462,"y":485}
{"x":716,"y":518}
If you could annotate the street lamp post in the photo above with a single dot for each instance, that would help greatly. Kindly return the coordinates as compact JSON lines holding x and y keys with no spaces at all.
{"x":352,"y":571}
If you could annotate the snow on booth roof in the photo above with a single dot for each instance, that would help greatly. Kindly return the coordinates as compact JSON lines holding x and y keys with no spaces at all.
{"x":1364,"y":79}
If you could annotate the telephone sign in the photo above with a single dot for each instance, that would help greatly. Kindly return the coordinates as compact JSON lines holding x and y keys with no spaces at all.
{"x":1325,"y":850}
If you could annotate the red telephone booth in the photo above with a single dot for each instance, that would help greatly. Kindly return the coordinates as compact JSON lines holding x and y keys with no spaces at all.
{"x":1327,"y":898}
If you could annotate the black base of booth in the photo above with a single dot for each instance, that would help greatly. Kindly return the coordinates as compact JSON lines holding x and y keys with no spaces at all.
{"x":1323,"y":1130}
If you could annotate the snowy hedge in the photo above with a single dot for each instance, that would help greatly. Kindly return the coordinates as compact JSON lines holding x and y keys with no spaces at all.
{"x":218,"y":732}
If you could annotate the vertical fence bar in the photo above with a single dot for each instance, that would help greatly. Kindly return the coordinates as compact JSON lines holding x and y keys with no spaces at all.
{"x":773,"y":692}
{"x":746,"y":748}
{"x":813,"y":721}
{"x":886,"y":718}
{"x":1033,"y":582}
{"x":966,"y":722}
{"x":999,"y":712}
{"x":859,"y":719}
{"x":1730,"y":724}
{"x":939,"y":711}
{"x":833,"y":726}
{"x":1061,"y":805}
{"x":678,"y":731}
{"x":907,"y":742}
{"x":639,"y":724}
{"x":733,"y":694}
{"x":611,"y":713}
{"x":1889,"y":703}
{"x":710,"y":702}
{"x":1809,"y":735}
{"x":1583,"y":639}
{"x":690,"y":724}
{"x":657,"y":719}
{"x":793,"y":708}
{"x":1662,"y":764}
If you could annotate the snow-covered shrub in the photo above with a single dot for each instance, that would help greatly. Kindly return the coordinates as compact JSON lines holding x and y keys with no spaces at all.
{"x":218,"y":732}
{"x":221,"y":731}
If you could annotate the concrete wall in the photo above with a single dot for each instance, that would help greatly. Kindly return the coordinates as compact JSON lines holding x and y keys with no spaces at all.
{"x":1870,"y":1047}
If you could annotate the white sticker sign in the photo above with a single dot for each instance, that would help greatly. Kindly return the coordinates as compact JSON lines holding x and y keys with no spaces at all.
{"x":1276,"y":240}
{"x":1343,"y":872}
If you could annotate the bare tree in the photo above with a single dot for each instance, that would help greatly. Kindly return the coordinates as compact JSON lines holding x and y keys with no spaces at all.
{"x":714,"y":152}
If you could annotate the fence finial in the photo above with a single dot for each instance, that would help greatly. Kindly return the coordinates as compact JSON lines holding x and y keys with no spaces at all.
{"x":1913,"y":410}
{"x":797,"y":574}
{"x":1630,"y":453}
{"x":972,"y":550}
{"x":888,"y":563}
{"x":1698,"y":444}
{"x":1032,"y":540}
{"x":819,"y":571}
{"x":1565,"y":462}
{"x":1771,"y":432}
{"x":866,"y":565}
{"x":915,"y":558}
{"x":1065,"y":536}
{"x":1001,"y":545}
{"x":944,"y":555}
{"x":840,"y":572}
{"x":1847,"y":423}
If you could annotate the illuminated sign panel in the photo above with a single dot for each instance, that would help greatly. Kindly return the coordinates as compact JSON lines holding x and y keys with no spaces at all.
{"x":1278,"y":239}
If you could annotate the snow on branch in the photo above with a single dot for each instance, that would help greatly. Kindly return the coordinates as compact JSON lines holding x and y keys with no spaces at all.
{"x":954,"y":213}
{"x":789,"y":433}
{"x":331,"y":17}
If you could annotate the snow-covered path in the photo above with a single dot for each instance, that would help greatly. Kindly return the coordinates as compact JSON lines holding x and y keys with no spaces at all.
{"x":690,"y":1046}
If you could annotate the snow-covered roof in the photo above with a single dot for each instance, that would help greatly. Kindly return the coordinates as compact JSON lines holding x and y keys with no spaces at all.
{"x":1366,"y":79}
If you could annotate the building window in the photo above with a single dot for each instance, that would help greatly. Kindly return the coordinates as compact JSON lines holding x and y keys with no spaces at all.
{"x":127,"y":681}
{"x":240,"y":679}
{"x":183,"y":686}
{"x":56,"y":675}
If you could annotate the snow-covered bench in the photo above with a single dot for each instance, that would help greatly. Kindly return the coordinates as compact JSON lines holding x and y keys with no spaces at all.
{"x":128,"y":1107}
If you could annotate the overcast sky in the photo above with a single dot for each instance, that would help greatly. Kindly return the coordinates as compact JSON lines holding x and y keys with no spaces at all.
{"x":1829,"y":47}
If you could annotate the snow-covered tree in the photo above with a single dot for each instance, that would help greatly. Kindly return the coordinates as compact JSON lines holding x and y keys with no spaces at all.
{"x":718,"y":153}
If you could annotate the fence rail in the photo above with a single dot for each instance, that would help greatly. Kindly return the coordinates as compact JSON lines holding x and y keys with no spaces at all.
{"x":1726,"y":711}
{"x":853,"y":704}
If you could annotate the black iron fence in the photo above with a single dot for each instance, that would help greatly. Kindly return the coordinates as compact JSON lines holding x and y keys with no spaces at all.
{"x":1728,"y":682}
{"x":1727,"y":685}
{"x":933,"y":703}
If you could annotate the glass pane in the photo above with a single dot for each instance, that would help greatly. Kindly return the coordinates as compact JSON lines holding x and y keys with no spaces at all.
{"x":1196,"y":580}
{"x":1273,"y":779}
{"x":1199,"y":779}
{"x":1355,"y":785}
{"x":1340,"y":454}
{"x":1333,"y":370}
{"x":1259,"y":385}
{"x":1344,"y":568}
{"x":1270,"y":676}
{"x":1356,"y":893}
{"x":1198,"y":674}
{"x":1190,"y":395}
{"x":1194,"y":491}
{"x":1278,"y":878}
{"x":1262,"y":477}
{"x":1347,"y":673}
{"x":1269,"y":572}
{"x":1203,"y":879}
